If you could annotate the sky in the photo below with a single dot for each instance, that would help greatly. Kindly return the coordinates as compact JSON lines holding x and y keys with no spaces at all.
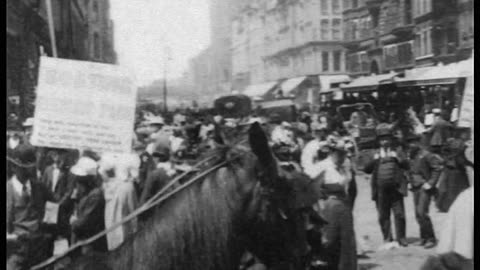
{"x":144,"y":28}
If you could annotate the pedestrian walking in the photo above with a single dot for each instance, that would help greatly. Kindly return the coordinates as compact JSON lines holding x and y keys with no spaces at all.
{"x":424,"y":172}
{"x":388,"y":185}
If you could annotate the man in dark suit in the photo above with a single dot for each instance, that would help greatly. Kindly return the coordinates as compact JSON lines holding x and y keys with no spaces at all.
{"x":389,"y":185}
{"x":26,"y":198}
{"x":425,"y":170}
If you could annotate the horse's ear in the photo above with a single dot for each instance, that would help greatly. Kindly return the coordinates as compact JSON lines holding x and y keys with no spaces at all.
{"x":259,"y":145}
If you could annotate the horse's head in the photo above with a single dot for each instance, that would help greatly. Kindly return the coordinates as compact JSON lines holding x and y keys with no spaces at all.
{"x":278,"y":212}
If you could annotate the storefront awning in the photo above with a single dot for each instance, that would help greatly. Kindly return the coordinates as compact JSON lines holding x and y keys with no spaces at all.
{"x":326,"y":82}
{"x":258,"y":90}
{"x":290,"y":84}
{"x":368,"y":83}
{"x":436,"y":75}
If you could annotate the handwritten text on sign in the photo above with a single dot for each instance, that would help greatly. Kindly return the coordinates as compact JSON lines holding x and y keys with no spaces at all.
{"x":84,"y":105}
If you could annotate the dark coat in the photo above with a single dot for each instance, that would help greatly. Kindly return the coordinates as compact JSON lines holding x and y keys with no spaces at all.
{"x":400,"y":179}
{"x":61,"y":189}
{"x":91,"y":219}
{"x":156,"y":180}
{"x":453,"y":181}
{"x":428,"y":165}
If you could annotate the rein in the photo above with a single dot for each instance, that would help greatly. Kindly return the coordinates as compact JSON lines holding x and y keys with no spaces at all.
{"x":154,"y":201}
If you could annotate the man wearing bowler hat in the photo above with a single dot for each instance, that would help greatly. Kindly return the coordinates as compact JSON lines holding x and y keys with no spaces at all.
{"x":389,"y":185}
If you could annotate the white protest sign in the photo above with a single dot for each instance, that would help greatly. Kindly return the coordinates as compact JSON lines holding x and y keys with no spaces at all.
{"x":465,"y":118}
{"x":84,"y":105}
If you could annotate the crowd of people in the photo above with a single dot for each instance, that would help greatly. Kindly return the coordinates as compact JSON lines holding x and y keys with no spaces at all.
{"x":94,"y":191}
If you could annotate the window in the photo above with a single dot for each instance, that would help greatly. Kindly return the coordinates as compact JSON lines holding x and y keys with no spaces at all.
{"x":423,"y":42}
{"x":405,"y":55}
{"x":354,"y":3}
{"x":324,"y":7}
{"x":336,"y":7}
{"x":324,"y":30}
{"x":336,"y":60}
{"x":95,"y":10}
{"x":336,"y":28}
{"x":325,"y":63}
{"x":96,"y":46}
{"x":364,"y":62}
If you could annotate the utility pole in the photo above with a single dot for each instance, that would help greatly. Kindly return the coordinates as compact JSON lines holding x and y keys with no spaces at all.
{"x":51,"y":28}
{"x":167,"y":58}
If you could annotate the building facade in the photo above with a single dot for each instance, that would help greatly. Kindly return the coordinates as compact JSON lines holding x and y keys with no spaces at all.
{"x":393,"y":35}
{"x":274,"y":40}
{"x":28,"y":38}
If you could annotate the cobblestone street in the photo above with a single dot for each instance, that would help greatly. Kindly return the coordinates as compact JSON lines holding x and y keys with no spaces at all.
{"x":366,"y":226}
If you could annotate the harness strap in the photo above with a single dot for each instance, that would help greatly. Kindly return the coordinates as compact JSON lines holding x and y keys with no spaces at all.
{"x":134,"y":214}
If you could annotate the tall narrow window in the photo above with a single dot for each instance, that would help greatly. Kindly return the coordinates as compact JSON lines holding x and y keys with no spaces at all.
{"x":324,"y":29}
{"x":95,"y":10}
{"x":325,"y":63}
{"x":336,"y":7}
{"x":96,"y":46}
{"x":337,"y":29}
{"x":324,"y":7}
{"x":336,"y":60}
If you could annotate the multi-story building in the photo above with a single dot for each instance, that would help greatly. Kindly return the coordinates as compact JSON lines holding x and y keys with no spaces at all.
{"x":394,"y":35}
{"x":100,"y":31}
{"x":465,"y":28}
{"x":379,"y":36}
{"x":28,"y":38}
{"x":276,"y":40}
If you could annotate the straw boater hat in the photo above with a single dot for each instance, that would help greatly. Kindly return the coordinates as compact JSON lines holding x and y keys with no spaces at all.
{"x":28,"y":122}
{"x":85,"y":166}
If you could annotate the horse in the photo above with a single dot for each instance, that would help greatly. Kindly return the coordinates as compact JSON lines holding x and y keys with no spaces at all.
{"x":250,"y":204}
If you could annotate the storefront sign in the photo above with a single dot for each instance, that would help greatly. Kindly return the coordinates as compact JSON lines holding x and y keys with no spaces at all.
{"x":465,"y":118}
{"x":84,"y":105}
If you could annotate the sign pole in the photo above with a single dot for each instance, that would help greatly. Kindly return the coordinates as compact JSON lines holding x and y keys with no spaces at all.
{"x":51,"y":28}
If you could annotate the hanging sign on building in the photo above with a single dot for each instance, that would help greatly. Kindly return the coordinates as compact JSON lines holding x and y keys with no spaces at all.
{"x":465,"y":118}
{"x":84,"y":105}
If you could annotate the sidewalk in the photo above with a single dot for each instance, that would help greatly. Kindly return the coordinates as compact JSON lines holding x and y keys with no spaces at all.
{"x":366,"y":225}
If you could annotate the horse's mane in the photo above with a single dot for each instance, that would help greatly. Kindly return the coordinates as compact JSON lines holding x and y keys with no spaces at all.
{"x":191,"y":230}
